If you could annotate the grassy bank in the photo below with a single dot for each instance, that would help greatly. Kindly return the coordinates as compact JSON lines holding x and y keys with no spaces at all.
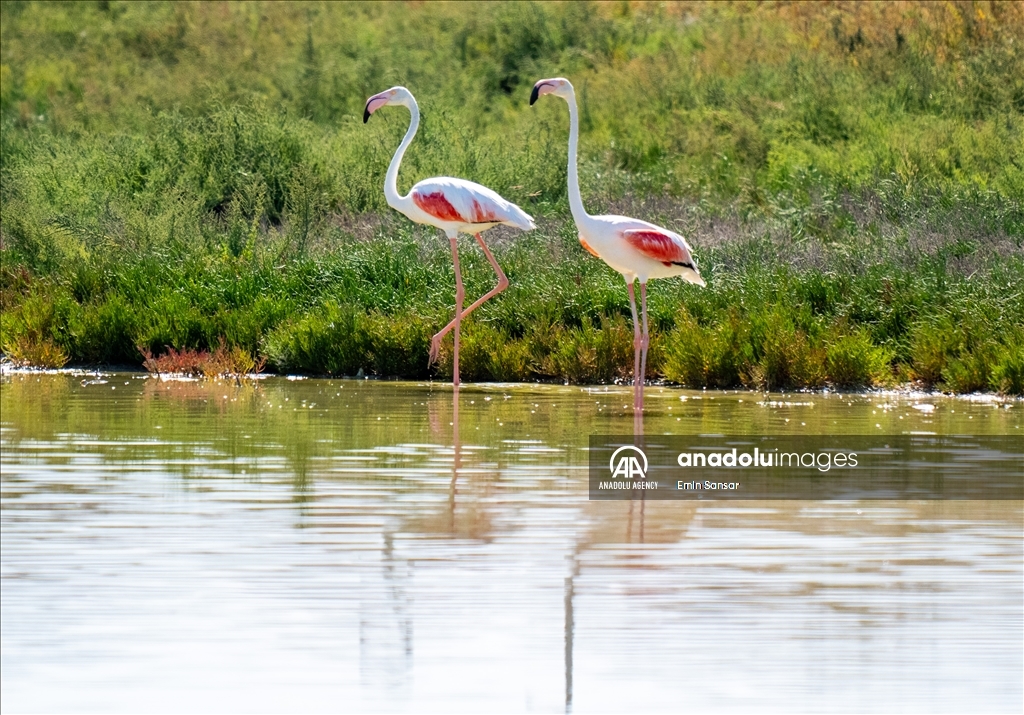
{"x":852,"y":178}
{"x":872,"y":313}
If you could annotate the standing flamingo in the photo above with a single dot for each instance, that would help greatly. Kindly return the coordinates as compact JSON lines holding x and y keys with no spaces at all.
{"x":636,"y":249}
{"x":452,"y":205}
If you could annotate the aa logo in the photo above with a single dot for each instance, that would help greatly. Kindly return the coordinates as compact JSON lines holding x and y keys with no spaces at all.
{"x":628,"y":466}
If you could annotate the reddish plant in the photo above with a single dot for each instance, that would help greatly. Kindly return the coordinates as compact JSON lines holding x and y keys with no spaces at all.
{"x":202,"y":363}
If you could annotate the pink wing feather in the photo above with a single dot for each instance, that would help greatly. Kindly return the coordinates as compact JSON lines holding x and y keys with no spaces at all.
{"x":659,"y":245}
{"x":437,"y":205}
{"x":461,"y":201}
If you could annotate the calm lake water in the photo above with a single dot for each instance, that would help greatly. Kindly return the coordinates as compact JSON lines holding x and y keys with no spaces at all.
{"x":338,"y":545}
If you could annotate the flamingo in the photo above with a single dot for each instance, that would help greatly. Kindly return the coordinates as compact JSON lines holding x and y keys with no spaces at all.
{"x":637,"y":249}
{"x":452,"y":205}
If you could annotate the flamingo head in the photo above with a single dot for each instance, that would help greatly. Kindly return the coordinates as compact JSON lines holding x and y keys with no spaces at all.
{"x":395,"y":95}
{"x":559,"y":86}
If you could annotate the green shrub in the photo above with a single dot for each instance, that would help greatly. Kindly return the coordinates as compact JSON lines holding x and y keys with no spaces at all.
{"x":705,"y":356}
{"x":971,"y":372}
{"x":590,"y":354}
{"x":106,"y":332}
{"x":1008,"y":370}
{"x":511,"y":361}
{"x":324,"y":341}
{"x":35,"y":332}
{"x":574,"y":358}
{"x":489,"y":353}
{"x":36,"y":352}
{"x":172,"y":320}
{"x":394,"y":347}
{"x":931,"y":346}
{"x":852,"y":360}
{"x":787,"y":358}
{"x":478,"y":343}
{"x":42,"y":317}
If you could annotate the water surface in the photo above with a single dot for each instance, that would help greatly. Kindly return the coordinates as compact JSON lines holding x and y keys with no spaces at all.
{"x":334,"y":545}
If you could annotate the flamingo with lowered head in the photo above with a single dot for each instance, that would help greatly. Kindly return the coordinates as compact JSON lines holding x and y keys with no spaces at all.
{"x":637,"y":249}
{"x":452,"y":205}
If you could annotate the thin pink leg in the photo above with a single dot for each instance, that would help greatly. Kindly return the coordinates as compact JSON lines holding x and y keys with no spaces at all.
{"x":636,"y":345}
{"x":460,"y":294}
{"x":457,"y":458}
{"x":645,"y":342}
{"x":435,"y":342}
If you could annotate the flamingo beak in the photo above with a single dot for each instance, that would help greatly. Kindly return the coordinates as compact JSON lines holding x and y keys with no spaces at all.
{"x":373,"y":104}
{"x":535,"y":94}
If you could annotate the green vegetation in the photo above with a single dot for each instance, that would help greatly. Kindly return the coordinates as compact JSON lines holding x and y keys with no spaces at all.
{"x":852,"y":179}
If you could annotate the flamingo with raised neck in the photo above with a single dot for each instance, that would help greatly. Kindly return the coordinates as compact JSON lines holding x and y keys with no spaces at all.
{"x":452,"y":205}
{"x":637,"y":249}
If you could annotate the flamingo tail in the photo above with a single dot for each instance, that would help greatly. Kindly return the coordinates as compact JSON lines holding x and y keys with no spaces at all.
{"x":519,"y":218}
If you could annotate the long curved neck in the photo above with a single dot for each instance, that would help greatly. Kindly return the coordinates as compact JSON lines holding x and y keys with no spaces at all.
{"x":394,"y":199}
{"x":579,"y":213}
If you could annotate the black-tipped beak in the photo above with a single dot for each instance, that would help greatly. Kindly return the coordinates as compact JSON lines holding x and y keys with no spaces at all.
{"x":534,"y":94}
{"x":366,"y":113}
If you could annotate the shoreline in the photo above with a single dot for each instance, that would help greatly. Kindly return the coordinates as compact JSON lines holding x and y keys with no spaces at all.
{"x":907,"y":391}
